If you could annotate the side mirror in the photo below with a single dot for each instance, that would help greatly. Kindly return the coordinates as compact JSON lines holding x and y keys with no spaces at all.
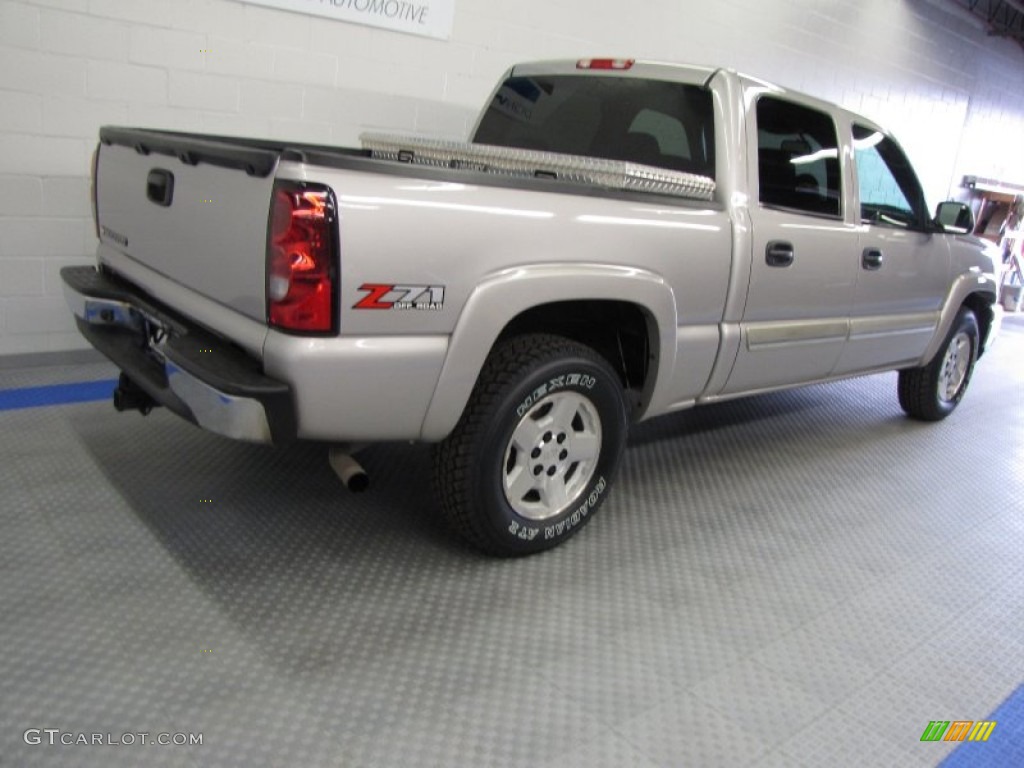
{"x":956,"y":218}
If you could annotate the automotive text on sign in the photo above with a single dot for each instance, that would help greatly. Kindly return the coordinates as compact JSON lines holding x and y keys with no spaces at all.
{"x":428,"y":18}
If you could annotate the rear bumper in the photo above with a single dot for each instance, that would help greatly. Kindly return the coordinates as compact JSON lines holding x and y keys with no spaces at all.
{"x":194,"y":373}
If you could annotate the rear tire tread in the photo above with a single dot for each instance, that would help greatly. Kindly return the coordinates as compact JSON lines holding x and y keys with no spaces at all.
{"x":508,"y":362}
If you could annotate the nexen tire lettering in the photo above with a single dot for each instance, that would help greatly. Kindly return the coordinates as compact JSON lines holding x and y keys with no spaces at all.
{"x":534,"y":393}
{"x":556,"y":383}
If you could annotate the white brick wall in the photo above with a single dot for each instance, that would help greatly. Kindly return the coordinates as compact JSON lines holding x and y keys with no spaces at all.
{"x":950,"y":93}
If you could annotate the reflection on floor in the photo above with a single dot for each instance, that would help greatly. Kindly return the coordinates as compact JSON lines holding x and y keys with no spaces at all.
{"x":804,"y":578}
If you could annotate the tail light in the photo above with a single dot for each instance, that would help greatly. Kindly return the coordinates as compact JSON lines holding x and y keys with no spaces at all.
{"x":302,"y":259}
{"x":94,"y":165}
{"x":605,"y":63}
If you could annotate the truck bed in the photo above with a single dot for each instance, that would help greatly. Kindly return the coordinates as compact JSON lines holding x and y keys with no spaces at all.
{"x":203,"y":217}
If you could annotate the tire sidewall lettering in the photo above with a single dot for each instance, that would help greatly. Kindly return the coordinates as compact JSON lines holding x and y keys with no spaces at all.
{"x":589,"y":380}
{"x":523,"y":532}
{"x":528,"y":532}
{"x":570,"y":380}
{"x":565,"y":526}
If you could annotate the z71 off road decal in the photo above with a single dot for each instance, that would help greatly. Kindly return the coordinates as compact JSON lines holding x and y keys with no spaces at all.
{"x":394,"y":296}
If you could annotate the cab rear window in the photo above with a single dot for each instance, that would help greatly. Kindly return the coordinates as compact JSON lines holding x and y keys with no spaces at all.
{"x":652,"y":122}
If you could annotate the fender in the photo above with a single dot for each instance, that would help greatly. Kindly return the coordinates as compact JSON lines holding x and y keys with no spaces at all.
{"x":974,"y":281}
{"x":502,"y":296}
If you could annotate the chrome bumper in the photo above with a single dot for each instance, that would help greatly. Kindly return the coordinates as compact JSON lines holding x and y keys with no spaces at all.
{"x":181,"y":366}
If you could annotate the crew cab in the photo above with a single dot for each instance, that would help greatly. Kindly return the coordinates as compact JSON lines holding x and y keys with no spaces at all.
{"x":619,"y":240}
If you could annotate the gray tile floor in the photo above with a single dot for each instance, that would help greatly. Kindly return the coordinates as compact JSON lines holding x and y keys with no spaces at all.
{"x":801,"y":579}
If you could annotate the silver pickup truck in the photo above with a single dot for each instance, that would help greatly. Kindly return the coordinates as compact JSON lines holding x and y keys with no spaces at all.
{"x":619,"y":240}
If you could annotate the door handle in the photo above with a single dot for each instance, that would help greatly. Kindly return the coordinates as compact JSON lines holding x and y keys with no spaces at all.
{"x":872,"y":259}
{"x":160,"y":186}
{"x":779,"y":253}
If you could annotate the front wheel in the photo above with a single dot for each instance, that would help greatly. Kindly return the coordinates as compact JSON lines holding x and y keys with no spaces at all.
{"x":933,"y":391}
{"x":535,"y":451}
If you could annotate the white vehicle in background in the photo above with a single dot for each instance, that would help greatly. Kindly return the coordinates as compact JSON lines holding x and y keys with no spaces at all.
{"x":621,"y":239}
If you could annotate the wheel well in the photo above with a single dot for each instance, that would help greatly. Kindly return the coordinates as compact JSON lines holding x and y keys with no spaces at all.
{"x":621,"y":332}
{"x":980,"y":305}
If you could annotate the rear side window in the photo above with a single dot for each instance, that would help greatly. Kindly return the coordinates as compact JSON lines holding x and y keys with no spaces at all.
{"x":890,"y":194}
{"x":668,"y":125}
{"x":797,"y":158}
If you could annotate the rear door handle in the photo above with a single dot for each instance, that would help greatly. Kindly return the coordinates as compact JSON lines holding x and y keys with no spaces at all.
{"x":872,"y":259}
{"x":779,"y":253}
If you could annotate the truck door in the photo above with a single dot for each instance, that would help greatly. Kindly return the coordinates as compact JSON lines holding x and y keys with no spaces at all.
{"x":904,"y":265}
{"x":804,"y":263}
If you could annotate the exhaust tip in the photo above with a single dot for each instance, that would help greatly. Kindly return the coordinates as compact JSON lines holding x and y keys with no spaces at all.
{"x":358,"y":482}
{"x":349,"y":471}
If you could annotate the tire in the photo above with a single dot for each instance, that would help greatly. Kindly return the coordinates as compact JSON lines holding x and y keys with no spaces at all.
{"x":536,"y":450}
{"x":933,"y":391}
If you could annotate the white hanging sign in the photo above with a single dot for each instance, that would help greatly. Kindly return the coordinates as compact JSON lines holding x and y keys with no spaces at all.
{"x":429,"y":18}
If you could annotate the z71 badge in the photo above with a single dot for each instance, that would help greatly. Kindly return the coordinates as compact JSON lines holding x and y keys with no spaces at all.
{"x":393,"y":296}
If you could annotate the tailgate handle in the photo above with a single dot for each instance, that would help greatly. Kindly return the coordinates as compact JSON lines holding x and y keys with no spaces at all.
{"x":160,"y":186}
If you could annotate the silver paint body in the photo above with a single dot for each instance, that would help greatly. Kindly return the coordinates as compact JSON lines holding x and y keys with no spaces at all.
{"x":725,"y":324}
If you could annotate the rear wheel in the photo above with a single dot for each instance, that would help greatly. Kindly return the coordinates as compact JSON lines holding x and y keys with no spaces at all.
{"x":536,"y":449}
{"x":933,"y":391}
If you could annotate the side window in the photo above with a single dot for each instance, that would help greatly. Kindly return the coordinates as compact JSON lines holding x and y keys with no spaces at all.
{"x":890,"y":194}
{"x":797,"y":158}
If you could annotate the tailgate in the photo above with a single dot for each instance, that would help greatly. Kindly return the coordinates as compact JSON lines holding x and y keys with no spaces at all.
{"x":193,"y":209}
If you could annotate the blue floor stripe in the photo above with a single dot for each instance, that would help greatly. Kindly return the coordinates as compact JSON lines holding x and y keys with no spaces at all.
{"x":58,"y":394}
{"x":1005,"y":746}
